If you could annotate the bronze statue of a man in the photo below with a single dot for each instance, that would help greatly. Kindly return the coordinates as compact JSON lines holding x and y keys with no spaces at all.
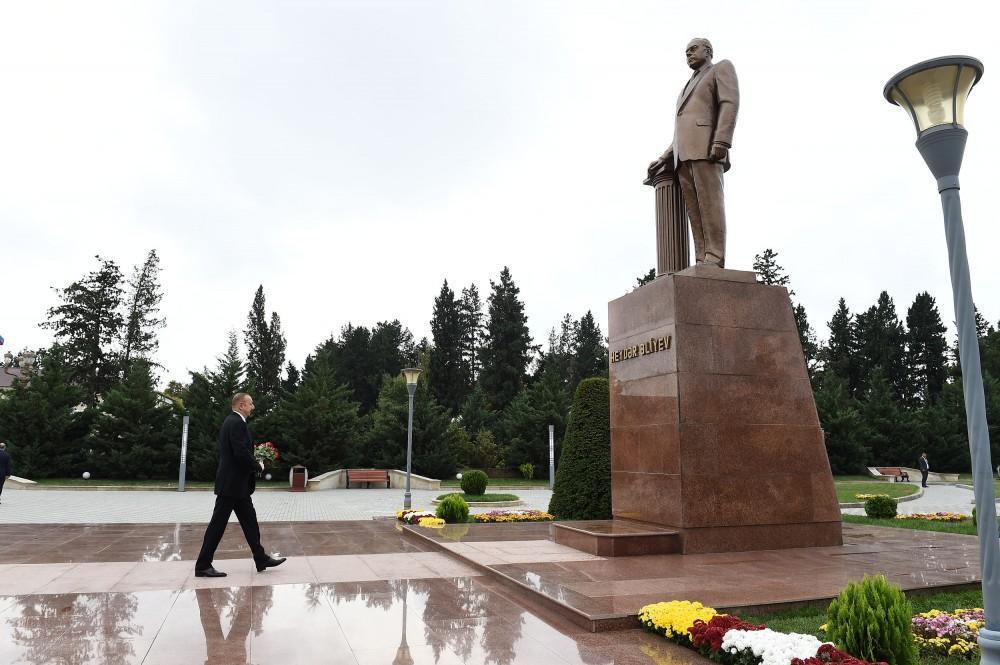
{"x":703,"y":135}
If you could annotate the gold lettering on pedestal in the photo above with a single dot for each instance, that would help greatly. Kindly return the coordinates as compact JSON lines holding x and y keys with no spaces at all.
{"x":652,"y":345}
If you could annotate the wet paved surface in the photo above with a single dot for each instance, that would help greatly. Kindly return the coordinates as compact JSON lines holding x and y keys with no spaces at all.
{"x":67,"y":506}
{"x":360,"y":592}
{"x":609,"y":589}
{"x":936,"y":498}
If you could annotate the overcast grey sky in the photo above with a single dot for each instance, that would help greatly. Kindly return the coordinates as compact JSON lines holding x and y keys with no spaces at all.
{"x":349,"y":156}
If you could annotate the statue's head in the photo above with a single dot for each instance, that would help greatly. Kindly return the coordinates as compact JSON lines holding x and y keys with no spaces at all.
{"x":698,"y":52}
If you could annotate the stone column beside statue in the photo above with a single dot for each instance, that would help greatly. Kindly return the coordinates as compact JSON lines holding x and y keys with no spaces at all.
{"x":672,"y":233}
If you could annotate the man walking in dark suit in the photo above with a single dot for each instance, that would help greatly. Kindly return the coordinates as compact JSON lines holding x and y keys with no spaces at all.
{"x":4,"y":465}
{"x":234,"y":483}
{"x":924,"y":468}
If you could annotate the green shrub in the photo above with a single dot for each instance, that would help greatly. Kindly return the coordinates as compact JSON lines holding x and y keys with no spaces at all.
{"x":583,"y":479}
{"x":527,"y":470}
{"x":474,"y":482}
{"x":871,"y":620}
{"x":453,"y":509}
{"x":880,"y":507}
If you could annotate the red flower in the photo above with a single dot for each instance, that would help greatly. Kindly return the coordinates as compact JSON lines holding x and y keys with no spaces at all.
{"x":709,"y":635}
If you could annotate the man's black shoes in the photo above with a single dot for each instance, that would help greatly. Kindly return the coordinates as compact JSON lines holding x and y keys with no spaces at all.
{"x":269,"y":562}
{"x":209,"y":572}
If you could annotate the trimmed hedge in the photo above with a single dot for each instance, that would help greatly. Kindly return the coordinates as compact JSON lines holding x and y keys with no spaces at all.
{"x":880,"y":507}
{"x":453,"y":509}
{"x":583,"y":479}
{"x":474,"y":482}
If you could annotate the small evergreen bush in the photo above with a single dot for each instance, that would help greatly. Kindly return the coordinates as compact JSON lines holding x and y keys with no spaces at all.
{"x":453,"y":509}
{"x":880,"y":507}
{"x":474,"y":482}
{"x":527,"y":470}
{"x":871,"y":620}
{"x":583,"y":479}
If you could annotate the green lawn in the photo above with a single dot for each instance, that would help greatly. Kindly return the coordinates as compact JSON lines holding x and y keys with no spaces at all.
{"x":170,"y":484}
{"x":846,"y":489}
{"x":503,"y":482}
{"x":966,"y":479}
{"x":965,"y":527}
{"x":809,"y":620}
{"x":482,"y":497}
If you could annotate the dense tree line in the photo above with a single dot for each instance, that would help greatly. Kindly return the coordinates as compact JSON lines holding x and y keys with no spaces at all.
{"x":886,"y":387}
{"x":486,"y":397}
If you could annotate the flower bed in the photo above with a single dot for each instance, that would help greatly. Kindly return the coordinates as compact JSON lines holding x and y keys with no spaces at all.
{"x":865,"y":497}
{"x":729,"y":640}
{"x":496,"y":516}
{"x":935,"y":517}
{"x":419,"y":517}
{"x":949,"y":633}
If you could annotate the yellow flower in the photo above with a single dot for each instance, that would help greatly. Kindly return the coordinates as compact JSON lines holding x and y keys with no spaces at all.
{"x":673,"y":618}
{"x":432,"y":522}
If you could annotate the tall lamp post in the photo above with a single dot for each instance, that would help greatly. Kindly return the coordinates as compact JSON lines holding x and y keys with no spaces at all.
{"x":934,"y":93}
{"x":411,"y":374}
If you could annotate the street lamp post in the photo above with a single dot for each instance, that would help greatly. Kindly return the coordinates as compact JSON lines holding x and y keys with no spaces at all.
{"x":411,"y":374}
{"x":934,"y":93}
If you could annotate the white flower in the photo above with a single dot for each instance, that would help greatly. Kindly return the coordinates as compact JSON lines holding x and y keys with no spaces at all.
{"x":771,"y":647}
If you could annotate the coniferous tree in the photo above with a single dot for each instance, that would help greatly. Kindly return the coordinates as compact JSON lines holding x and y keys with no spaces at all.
{"x":807,"y":338}
{"x":645,"y":279}
{"x":87,"y":324}
{"x":525,"y":422}
{"x":768,"y":270}
{"x":292,"y":379}
{"x":507,"y":347}
{"x":436,"y":438}
{"x":265,"y":353}
{"x":926,"y":350}
{"x":881,"y":345}
{"x":471,"y":309}
{"x":839,"y":355}
{"x":591,"y":353}
{"x":448,"y":374}
{"x":583,"y":477}
{"x":885,"y":425}
{"x":142,"y":305}
{"x":843,"y":428}
{"x":476,"y":412}
{"x":134,"y":434}
{"x":317,"y":425}
{"x":39,"y":420}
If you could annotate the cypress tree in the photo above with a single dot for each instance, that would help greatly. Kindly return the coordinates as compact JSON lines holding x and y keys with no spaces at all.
{"x":265,"y":353}
{"x":926,"y":350}
{"x":471,"y":311}
{"x":86,"y":324}
{"x":886,"y":431}
{"x":807,"y":338}
{"x":448,"y":373}
{"x":583,"y":478}
{"x":842,"y":426}
{"x":142,"y":304}
{"x":507,"y":347}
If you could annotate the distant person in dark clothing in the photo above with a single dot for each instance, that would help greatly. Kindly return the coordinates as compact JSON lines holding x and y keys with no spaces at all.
{"x":235,"y":481}
{"x":4,"y":465}
{"x":924,"y":468}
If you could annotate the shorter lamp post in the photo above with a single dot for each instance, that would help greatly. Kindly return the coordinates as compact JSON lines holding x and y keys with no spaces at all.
{"x":411,"y":374}
{"x":934,"y":93}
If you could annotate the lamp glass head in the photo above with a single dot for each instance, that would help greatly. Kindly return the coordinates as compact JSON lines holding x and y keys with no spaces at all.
{"x":411,"y":374}
{"x":934,"y":92}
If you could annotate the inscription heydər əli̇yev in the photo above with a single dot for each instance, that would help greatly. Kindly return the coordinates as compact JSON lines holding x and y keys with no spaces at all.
{"x":654,"y":345}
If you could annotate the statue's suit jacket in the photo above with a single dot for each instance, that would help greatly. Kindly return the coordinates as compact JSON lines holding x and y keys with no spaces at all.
{"x":706,"y":113}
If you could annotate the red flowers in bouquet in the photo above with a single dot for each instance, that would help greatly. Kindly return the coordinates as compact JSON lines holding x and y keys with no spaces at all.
{"x":266,"y":452}
{"x":709,"y":635}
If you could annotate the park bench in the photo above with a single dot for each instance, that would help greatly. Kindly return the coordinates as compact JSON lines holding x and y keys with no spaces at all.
{"x":891,"y":473}
{"x":367,"y":476}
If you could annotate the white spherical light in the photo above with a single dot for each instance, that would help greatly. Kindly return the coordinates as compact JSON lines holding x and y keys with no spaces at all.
{"x":458,"y":476}
{"x":267,"y":476}
{"x":86,"y":475}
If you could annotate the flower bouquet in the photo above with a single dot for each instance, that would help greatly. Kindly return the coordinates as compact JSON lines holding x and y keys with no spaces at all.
{"x":266,"y":452}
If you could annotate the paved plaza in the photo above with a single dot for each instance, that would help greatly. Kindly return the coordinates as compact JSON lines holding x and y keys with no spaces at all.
{"x":936,"y":498}
{"x":93,"y":507}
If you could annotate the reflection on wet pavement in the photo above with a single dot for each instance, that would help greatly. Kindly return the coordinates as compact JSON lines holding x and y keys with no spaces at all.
{"x":444,"y":620}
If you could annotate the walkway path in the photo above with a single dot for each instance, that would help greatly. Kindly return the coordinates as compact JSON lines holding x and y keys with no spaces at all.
{"x":936,"y":498}
{"x":88,"y":507}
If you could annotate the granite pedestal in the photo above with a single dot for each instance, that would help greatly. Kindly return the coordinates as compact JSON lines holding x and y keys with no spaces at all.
{"x":714,"y":431}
